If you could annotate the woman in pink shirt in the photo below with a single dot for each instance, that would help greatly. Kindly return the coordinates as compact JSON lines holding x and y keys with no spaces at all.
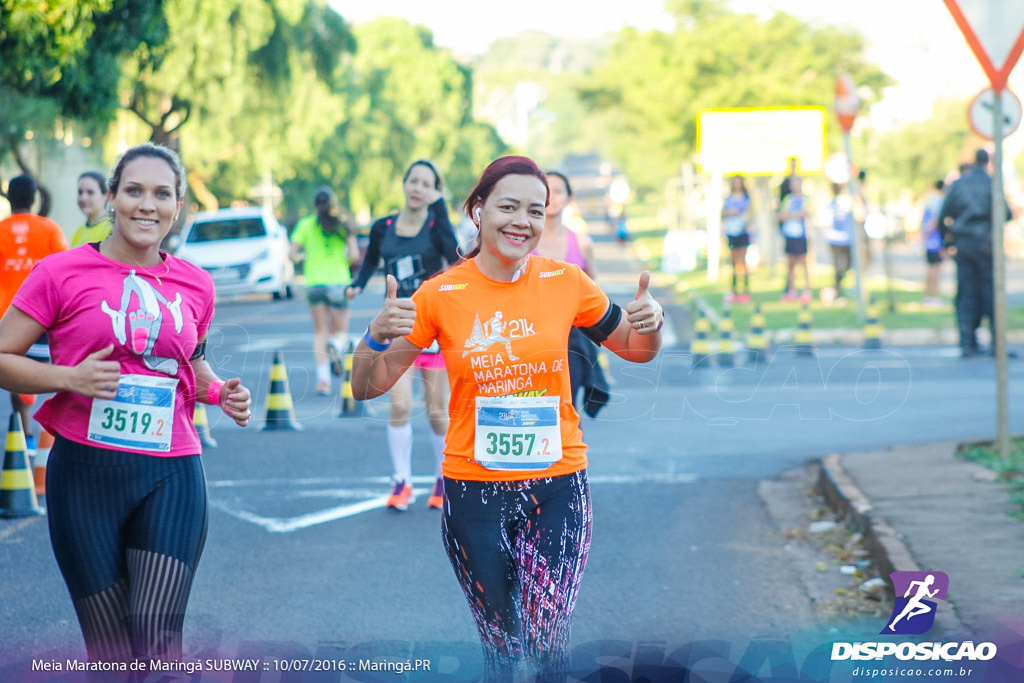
{"x":127,"y":326}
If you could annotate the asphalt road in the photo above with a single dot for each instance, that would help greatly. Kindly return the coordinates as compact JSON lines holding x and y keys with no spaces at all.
{"x":303,"y":562}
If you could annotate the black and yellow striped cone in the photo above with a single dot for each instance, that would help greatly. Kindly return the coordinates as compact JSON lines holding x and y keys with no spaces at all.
{"x":700,"y":346}
{"x":726,"y":347}
{"x":280,"y":411}
{"x":202,"y":425}
{"x":757,"y":340}
{"x":872,"y":328}
{"x":804,"y":338}
{"x":17,"y":485}
{"x":349,"y":406}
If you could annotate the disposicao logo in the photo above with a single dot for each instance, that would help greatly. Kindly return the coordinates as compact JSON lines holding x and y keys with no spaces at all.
{"x":914,"y":612}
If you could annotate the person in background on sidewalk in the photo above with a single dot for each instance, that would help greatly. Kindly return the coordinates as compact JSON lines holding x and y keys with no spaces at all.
{"x":965,"y":221}
{"x":92,"y":198}
{"x":934,"y":250}
{"x":327,"y":246}
{"x":126,"y":493}
{"x":736,"y":212}
{"x":793,"y":219}
{"x":415,"y":244}
{"x":517,"y":514}
{"x":25,"y":239}
{"x":839,"y":236}
{"x":562,"y":244}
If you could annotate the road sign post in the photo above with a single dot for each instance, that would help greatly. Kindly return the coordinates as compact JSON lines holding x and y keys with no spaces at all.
{"x":847,"y":105}
{"x":994,"y":30}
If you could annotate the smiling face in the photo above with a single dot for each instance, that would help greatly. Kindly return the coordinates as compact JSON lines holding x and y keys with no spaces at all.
{"x":511,"y":223}
{"x":145,"y":206}
{"x":90,"y":197}
{"x":420,"y":186}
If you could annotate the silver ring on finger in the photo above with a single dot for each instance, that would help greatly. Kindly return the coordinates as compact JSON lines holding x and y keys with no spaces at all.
{"x":640,"y":325}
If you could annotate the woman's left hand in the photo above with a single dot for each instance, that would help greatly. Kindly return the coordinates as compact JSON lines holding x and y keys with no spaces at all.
{"x":236,"y":402}
{"x":644,"y":314}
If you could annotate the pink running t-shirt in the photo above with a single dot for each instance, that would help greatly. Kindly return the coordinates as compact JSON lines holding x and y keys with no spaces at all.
{"x":153,"y":316}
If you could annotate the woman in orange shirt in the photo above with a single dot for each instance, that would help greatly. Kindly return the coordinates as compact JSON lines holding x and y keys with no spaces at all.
{"x":516,"y":517}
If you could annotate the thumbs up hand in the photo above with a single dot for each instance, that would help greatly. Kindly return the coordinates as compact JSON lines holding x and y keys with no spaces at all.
{"x":396,"y":317}
{"x":644,"y":314}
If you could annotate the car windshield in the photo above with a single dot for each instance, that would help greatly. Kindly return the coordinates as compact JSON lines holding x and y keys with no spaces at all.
{"x":233,"y":229}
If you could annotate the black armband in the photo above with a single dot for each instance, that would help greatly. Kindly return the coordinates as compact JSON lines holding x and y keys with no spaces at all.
{"x":200,"y":351}
{"x":603,"y":329}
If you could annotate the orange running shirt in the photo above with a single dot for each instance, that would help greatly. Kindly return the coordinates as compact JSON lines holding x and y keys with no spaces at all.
{"x":25,"y":238}
{"x":507,"y":339}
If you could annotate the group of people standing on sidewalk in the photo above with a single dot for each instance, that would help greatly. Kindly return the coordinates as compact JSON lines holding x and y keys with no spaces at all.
{"x":491,"y":331}
{"x":795,"y":222}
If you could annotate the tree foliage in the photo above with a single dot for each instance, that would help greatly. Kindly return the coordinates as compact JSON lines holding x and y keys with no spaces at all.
{"x":915,"y":155}
{"x":405,"y":99}
{"x":244,"y":88}
{"x":653,"y":84}
{"x":60,"y":59}
{"x":39,"y":39}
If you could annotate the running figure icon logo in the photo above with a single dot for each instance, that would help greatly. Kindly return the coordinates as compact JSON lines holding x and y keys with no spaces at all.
{"x":487,"y":334}
{"x":916,"y":592}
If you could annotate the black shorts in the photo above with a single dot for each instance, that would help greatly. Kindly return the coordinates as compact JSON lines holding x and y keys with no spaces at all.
{"x":932,"y":257}
{"x":740,"y":241}
{"x":796,"y":246}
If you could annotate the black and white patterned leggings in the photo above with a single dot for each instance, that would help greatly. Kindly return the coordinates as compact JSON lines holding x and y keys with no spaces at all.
{"x":518,"y":549}
{"x":127,"y":531}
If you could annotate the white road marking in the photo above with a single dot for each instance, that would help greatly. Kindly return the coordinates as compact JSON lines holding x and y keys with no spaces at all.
{"x":371,"y":501}
{"x":16,"y":527}
{"x":286,"y":524}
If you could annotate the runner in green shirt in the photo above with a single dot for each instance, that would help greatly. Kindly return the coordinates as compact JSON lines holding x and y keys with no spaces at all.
{"x":328,"y":247}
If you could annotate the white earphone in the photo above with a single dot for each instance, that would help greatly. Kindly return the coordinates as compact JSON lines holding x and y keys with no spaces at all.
{"x":476,"y":214}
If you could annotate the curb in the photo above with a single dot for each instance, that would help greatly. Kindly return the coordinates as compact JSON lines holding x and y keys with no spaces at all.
{"x":884,"y":544}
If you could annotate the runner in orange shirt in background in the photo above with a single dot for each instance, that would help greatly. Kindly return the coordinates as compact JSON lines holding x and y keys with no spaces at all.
{"x":516,"y":516}
{"x":25,"y":238}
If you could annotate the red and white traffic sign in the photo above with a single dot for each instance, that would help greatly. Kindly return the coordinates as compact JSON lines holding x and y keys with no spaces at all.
{"x":847,"y":102}
{"x":994,"y":30}
{"x":981,"y":109}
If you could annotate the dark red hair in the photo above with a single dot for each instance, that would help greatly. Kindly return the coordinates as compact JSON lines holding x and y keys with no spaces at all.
{"x":498,"y":169}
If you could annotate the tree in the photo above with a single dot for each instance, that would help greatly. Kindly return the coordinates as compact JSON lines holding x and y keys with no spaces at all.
{"x":405,"y":99}
{"x":653,"y":84}
{"x":59,"y":60}
{"x":246,"y":83}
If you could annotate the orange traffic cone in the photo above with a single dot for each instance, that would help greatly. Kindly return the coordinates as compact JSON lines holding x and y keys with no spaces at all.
{"x":39,"y":464}
{"x":280,"y":411}
{"x":349,"y":406}
{"x":17,"y":489}
{"x":202,"y":426}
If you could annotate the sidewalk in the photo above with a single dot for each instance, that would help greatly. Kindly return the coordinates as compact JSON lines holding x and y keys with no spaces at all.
{"x":921,"y":508}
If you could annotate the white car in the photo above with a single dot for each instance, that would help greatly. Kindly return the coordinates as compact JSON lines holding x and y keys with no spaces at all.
{"x":244,"y":250}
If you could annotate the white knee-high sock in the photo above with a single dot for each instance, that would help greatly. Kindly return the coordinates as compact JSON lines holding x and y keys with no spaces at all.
{"x":400,"y":445}
{"x":437,"y":441}
{"x":323,"y":372}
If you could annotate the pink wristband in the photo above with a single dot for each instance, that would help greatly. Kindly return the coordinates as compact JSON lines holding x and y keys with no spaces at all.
{"x":213,"y":393}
